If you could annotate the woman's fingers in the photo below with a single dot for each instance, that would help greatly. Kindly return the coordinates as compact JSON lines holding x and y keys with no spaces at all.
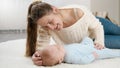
{"x":37,"y":54}
{"x":98,"y":46}
{"x":36,"y":58}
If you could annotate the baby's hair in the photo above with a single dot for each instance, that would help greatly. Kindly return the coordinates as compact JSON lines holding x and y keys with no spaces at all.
{"x":48,"y":58}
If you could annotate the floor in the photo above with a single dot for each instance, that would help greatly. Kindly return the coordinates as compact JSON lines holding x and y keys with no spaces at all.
{"x":11,"y":35}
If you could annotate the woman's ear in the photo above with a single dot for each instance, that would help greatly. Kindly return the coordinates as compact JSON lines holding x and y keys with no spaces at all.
{"x":55,"y":10}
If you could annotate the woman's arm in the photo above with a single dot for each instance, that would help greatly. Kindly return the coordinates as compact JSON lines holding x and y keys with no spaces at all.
{"x":97,"y":32}
{"x":43,"y":38}
{"x":95,"y":28}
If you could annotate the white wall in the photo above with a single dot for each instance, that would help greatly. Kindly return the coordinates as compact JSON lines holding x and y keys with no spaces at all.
{"x":13,"y":13}
{"x":119,"y":12}
{"x":111,"y":6}
{"x":67,"y":2}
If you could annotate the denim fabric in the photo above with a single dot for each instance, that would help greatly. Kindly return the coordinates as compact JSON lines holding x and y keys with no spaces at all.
{"x":112,"y":41}
{"x":109,"y":27}
{"x":112,"y":33}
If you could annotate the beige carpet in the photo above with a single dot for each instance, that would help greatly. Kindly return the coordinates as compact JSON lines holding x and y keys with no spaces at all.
{"x":12,"y":56}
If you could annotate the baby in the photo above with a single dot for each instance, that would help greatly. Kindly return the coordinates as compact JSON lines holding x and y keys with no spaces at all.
{"x":77,"y":53}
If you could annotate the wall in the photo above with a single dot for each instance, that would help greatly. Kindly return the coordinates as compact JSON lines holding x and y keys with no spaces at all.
{"x":119,"y":11}
{"x":13,"y":13}
{"x":111,"y":6}
{"x":67,"y":2}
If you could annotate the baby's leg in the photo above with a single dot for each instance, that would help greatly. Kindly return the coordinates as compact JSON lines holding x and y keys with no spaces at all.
{"x":107,"y":53}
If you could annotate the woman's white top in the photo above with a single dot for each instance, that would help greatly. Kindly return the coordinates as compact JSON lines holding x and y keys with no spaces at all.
{"x":87,"y":25}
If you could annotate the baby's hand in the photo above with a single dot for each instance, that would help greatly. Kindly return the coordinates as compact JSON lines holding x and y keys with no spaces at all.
{"x":36,"y":58}
{"x":95,"y":55}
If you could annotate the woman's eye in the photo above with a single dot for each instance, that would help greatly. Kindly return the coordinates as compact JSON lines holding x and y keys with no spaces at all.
{"x":45,"y":27}
{"x":49,"y":22}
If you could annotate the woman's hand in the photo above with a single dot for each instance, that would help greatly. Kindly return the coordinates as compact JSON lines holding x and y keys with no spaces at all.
{"x":98,"y":46}
{"x":37,"y":59}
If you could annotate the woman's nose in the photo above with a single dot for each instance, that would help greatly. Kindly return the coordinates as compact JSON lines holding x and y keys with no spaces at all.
{"x":51,"y":27}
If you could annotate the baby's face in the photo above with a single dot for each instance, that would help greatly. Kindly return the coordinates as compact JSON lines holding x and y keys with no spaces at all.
{"x":53,"y":54}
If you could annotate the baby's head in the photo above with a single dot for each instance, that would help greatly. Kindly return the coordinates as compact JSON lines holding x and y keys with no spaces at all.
{"x":52,"y":55}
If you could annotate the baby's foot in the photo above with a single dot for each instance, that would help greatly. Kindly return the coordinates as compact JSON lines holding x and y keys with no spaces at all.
{"x":95,"y":54}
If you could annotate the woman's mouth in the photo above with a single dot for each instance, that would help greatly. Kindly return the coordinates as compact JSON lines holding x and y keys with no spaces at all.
{"x":58,"y":27}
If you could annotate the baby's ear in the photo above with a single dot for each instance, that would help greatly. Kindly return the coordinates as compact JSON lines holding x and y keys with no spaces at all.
{"x":60,"y":61}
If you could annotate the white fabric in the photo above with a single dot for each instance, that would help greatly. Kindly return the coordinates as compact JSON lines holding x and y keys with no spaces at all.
{"x":87,"y":25}
{"x":12,"y":56}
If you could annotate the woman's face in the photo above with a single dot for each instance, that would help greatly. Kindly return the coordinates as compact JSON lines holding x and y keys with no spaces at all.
{"x":51,"y":21}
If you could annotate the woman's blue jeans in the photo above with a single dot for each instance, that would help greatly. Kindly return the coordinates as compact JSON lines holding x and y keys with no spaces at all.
{"x":112,"y":33}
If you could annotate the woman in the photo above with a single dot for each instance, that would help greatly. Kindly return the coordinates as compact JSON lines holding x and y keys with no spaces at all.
{"x":66,"y":25}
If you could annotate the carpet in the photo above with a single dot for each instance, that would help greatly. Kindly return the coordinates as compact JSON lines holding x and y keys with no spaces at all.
{"x":12,"y":56}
